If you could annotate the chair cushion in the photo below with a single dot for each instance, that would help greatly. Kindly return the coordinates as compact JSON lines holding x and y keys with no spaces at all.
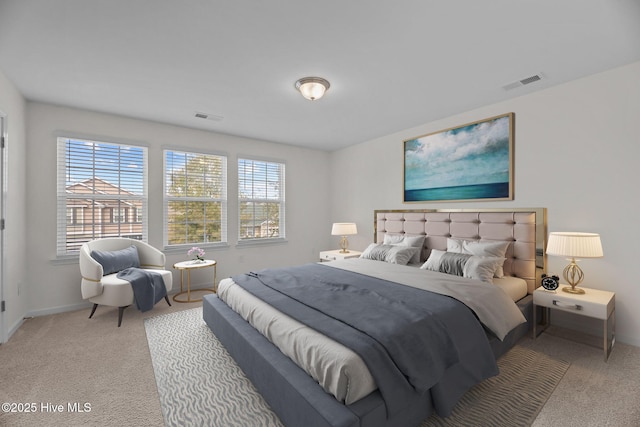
{"x":114,"y":261}
{"x":119,"y":293}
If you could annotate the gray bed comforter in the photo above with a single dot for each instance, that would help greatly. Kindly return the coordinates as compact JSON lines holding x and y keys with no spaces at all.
{"x":409,"y":338}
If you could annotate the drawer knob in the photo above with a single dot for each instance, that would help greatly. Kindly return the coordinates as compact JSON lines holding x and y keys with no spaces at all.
{"x":569,"y":306}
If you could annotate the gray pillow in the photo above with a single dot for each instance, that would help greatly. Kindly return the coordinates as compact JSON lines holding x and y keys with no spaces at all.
{"x":393,"y":254}
{"x":470,"y":266}
{"x":114,"y":261}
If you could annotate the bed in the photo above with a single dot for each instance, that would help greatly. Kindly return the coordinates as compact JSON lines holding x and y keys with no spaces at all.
{"x":300,"y":397}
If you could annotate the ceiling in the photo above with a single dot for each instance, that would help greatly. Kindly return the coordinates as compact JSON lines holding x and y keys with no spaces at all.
{"x":392,"y":64}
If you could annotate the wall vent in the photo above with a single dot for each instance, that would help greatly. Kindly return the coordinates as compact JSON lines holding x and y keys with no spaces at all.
{"x":208,"y":116}
{"x":525,"y":81}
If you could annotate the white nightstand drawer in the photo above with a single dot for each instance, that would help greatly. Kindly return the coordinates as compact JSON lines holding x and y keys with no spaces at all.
{"x":594,"y":303}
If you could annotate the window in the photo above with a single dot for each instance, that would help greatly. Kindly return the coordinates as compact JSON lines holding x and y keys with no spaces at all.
{"x":261,"y":200}
{"x":195,"y":198}
{"x":97,"y":183}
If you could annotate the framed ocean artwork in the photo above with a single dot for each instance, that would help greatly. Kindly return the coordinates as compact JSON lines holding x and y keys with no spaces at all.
{"x":469,"y":162}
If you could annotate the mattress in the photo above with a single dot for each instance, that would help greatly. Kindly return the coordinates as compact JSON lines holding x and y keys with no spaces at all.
{"x":514,"y":287}
{"x":339,"y":370}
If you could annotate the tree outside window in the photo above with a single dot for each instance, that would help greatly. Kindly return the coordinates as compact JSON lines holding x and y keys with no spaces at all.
{"x":195,"y":195}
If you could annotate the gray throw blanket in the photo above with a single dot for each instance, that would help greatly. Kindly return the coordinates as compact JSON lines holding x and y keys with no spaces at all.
{"x":148,"y":287}
{"x":408,"y":337}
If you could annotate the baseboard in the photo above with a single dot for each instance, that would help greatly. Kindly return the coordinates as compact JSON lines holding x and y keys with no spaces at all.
{"x":14,"y":328}
{"x":626,"y":339}
{"x":72,"y":307}
{"x":59,"y":309}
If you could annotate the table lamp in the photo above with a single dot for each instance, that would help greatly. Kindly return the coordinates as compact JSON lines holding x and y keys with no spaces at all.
{"x":574,"y":245}
{"x":344,"y":229}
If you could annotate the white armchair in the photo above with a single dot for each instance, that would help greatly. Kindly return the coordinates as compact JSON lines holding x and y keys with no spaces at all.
{"x":107,"y":289}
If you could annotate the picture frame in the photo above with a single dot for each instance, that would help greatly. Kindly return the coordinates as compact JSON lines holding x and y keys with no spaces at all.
{"x":471,"y":162}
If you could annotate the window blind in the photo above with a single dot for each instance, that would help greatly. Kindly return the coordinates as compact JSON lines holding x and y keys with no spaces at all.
{"x":195,"y":201}
{"x":261,"y":194}
{"x":102,"y":192}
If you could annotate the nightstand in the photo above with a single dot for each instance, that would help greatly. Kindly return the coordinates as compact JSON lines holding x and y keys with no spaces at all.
{"x":336,"y":254}
{"x":593,"y":303}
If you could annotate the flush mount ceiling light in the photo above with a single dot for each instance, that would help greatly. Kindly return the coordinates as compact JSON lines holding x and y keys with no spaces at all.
{"x":312,"y":88}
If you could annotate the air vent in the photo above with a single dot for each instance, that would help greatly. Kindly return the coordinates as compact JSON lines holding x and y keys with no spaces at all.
{"x":207,"y":116}
{"x":525,"y":81}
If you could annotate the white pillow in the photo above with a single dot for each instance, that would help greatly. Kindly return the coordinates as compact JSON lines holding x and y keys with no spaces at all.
{"x":487,"y":249}
{"x":403,"y":240}
{"x":393,"y":239}
{"x":455,"y":245}
{"x":473,"y":247}
{"x":433,"y":262}
{"x":481,"y":268}
{"x":394,"y":254}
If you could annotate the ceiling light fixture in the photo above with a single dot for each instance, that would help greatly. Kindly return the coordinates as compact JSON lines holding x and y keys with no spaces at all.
{"x":312,"y":88}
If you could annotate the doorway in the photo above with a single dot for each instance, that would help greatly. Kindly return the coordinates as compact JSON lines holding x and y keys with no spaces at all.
{"x":3,"y":200}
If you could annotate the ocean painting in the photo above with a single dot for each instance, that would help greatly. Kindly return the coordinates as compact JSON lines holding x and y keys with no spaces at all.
{"x":469,"y":162}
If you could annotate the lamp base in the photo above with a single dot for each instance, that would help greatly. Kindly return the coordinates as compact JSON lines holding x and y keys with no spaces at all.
{"x":573,"y":290}
{"x":344,"y":244}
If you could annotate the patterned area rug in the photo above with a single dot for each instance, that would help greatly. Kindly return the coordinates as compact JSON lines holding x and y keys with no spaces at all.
{"x":512,"y":399}
{"x":200,"y":384}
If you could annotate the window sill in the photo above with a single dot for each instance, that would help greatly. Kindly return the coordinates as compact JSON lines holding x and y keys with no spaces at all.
{"x":175,"y":249}
{"x":260,"y":242}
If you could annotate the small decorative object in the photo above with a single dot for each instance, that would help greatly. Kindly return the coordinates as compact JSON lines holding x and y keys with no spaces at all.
{"x":197,"y":252}
{"x":574,"y":245}
{"x":550,"y":283}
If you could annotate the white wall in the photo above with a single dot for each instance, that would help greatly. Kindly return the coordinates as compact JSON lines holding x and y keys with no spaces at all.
{"x":12,"y":105}
{"x":577,"y":153}
{"x":55,"y":286}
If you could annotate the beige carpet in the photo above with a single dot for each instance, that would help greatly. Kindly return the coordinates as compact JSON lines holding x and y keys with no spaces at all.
{"x":68,"y":358}
{"x":199,"y":382}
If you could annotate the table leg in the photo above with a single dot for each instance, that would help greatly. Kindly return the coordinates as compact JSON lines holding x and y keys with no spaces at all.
{"x":189,"y":285}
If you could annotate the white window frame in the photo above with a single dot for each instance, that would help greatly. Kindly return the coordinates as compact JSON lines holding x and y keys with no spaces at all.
{"x":277,"y":196}
{"x":66,"y":179}
{"x":222,"y":200}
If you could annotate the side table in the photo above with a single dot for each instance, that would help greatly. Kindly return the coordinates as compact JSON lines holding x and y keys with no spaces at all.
{"x":338,"y":254}
{"x":593,"y":303}
{"x":192,"y":265}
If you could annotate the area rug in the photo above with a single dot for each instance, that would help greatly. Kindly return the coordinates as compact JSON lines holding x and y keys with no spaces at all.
{"x":200,"y":384}
{"x":512,"y":399}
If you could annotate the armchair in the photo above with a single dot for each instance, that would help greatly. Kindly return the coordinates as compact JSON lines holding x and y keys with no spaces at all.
{"x":108,"y":289}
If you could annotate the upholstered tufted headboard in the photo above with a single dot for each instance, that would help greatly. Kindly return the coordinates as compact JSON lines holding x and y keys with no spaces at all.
{"x":525,"y":228}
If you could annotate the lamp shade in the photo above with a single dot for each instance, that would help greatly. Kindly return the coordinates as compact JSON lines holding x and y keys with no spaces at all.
{"x":574,"y":245}
{"x":344,"y":229}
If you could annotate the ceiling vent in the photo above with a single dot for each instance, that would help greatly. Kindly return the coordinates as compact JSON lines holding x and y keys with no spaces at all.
{"x":523,"y":82}
{"x":207,"y":116}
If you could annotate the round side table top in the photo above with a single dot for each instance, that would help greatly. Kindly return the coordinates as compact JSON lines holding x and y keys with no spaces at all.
{"x":185,"y":265}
